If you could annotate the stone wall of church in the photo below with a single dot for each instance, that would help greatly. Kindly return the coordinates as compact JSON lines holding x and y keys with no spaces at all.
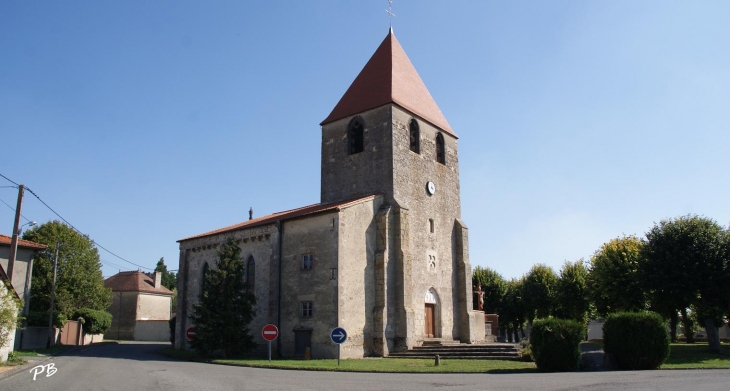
{"x":368,"y":172}
{"x":315,"y":236}
{"x":356,"y":277}
{"x":434,"y":261}
{"x":259,"y":242}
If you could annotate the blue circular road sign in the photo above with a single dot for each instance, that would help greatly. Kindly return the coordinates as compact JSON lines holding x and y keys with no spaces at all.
{"x":338,"y":335}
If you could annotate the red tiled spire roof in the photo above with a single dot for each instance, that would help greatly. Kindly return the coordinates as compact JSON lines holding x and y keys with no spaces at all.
{"x":4,"y":239}
{"x":389,"y":77}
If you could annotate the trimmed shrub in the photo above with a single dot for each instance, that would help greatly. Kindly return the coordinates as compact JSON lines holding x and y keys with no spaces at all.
{"x":40,"y":319}
{"x":555,"y":344}
{"x":638,"y":340}
{"x":95,"y":321}
{"x":526,"y":350}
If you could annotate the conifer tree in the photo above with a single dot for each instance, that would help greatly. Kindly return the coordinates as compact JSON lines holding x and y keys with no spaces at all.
{"x":225,"y":309}
{"x":169,"y":279}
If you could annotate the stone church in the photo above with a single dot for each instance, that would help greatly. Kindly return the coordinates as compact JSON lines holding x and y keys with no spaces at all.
{"x":384,"y":254}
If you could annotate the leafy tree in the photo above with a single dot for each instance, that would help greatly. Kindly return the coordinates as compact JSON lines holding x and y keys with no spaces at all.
{"x":571,"y":293}
{"x":613,"y":283}
{"x":494,"y":287}
{"x":10,"y":307}
{"x":79,"y":282}
{"x":538,"y":292}
{"x":226,"y":307}
{"x":688,"y":259}
{"x":512,"y":315}
{"x":169,"y":279}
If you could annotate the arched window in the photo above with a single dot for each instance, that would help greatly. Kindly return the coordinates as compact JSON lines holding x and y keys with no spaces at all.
{"x":440,"y":149}
{"x":203,"y":275}
{"x":251,"y":274}
{"x":355,"y":135}
{"x":415,"y":136}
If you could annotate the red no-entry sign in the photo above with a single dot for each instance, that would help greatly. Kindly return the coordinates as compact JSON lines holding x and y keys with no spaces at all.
{"x":270,"y":332}
{"x":190,"y":333}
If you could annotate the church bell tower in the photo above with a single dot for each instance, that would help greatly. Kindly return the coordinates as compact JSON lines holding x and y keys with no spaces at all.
{"x":387,"y":136}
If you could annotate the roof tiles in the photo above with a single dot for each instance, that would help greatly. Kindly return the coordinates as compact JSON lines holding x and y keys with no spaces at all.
{"x":134,"y":281}
{"x":285,"y":215}
{"x":6,"y":240}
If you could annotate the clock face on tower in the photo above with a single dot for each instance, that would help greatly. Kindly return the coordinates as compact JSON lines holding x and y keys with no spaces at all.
{"x":430,"y":188}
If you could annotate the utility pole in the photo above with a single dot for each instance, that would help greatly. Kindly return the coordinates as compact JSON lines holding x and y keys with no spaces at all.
{"x":16,"y":228}
{"x":51,"y":334}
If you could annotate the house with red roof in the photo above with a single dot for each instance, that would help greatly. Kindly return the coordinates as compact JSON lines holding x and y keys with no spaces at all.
{"x":7,"y":289}
{"x":20,"y":273}
{"x":383,"y":254}
{"x":140,"y":307}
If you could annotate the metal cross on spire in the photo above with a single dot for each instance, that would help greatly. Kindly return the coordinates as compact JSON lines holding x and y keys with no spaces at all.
{"x":389,"y":11}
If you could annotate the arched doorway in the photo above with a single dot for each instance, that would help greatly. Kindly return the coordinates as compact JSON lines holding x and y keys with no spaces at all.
{"x":430,"y":311}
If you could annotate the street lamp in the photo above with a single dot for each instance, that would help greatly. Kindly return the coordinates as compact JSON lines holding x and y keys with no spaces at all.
{"x":31,"y":223}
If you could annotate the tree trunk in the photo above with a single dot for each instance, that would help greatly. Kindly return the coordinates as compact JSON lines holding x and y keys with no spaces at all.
{"x":713,"y":336}
{"x":673,"y":320}
{"x":687,"y":327}
{"x":517,"y":332}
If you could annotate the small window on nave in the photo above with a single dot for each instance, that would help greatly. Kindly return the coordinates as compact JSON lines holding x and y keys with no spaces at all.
{"x":415,"y":136}
{"x":203,"y":276}
{"x":251,"y":274}
{"x":440,"y":149}
{"x":355,"y":136}
{"x":307,"y":261}
{"x":306,"y":309}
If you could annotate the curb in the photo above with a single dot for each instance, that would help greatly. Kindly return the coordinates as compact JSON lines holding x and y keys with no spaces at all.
{"x":36,"y":360}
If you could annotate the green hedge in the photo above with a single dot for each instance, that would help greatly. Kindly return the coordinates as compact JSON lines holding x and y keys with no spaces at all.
{"x":95,"y":322}
{"x":555,"y":344}
{"x":40,"y":319}
{"x":638,"y":340}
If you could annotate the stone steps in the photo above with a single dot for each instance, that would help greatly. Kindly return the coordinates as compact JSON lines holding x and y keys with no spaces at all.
{"x":463,"y":351}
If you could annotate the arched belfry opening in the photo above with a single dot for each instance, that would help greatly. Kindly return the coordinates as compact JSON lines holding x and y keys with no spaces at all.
{"x":440,"y":149}
{"x":355,"y":136}
{"x":414,"y":136}
{"x":431,"y":326}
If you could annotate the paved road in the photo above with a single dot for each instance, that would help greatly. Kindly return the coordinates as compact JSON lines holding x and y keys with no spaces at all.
{"x":137,"y":367}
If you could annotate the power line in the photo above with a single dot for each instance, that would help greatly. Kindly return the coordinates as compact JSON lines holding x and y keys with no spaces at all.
{"x":109,"y":263}
{"x":71,"y":225}
{"x":9,"y":180}
{"x":13,"y":209}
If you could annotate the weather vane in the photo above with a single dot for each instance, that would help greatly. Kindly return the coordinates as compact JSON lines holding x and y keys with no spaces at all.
{"x":390,"y":12}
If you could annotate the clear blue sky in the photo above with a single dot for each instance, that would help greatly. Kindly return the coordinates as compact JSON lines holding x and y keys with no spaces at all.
{"x":145,"y":122}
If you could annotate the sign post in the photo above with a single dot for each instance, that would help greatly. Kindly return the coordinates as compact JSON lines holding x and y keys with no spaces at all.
{"x":270,"y":332}
{"x":338,"y":336}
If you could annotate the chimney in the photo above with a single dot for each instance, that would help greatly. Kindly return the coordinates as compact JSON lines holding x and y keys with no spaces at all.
{"x":158,"y":280}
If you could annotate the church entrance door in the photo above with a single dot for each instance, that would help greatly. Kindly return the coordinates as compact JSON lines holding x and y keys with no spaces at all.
{"x":430,"y":320}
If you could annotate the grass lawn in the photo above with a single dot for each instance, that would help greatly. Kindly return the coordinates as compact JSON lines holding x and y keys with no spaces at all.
{"x":395,"y":365}
{"x":40,"y":352}
{"x":696,"y":356}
